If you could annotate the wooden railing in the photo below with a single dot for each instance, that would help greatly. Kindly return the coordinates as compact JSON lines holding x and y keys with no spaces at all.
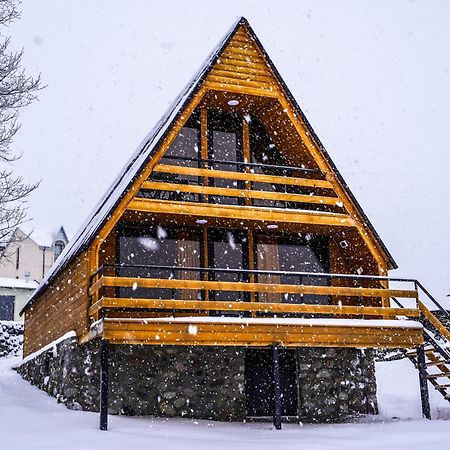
{"x":278,"y":186}
{"x":366,"y":301}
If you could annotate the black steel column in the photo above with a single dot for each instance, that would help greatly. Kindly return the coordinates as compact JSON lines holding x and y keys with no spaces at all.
{"x":276,"y":388}
{"x":104,"y":366}
{"x":423,"y":381}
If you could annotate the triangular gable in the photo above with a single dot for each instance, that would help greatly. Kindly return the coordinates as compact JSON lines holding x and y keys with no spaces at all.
{"x":248,"y":55}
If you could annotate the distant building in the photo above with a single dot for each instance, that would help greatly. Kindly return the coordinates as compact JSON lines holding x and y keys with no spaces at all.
{"x":14,"y":295}
{"x":31,"y":253}
{"x":23,"y":264}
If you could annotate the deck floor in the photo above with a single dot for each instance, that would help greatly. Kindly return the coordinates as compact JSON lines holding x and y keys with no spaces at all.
{"x":259,"y":332}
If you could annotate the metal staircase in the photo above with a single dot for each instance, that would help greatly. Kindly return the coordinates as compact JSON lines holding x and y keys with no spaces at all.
{"x":433,"y":358}
{"x":437,"y":364}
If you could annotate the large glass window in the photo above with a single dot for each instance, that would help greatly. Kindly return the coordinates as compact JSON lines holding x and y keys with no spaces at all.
{"x":156,"y":253}
{"x":185,"y":152}
{"x":228,"y":249}
{"x":225,"y":148}
{"x":270,"y":161}
{"x":292,"y":254}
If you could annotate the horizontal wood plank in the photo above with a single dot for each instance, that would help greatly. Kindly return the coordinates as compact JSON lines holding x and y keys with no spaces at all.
{"x":251,"y":213}
{"x":240,"y":193}
{"x":163,"y":333}
{"x":240,"y":176}
{"x":222,"y":72}
{"x":273,"y":93}
{"x":109,"y":302}
{"x":239,"y":82}
{"x":134,"y":282}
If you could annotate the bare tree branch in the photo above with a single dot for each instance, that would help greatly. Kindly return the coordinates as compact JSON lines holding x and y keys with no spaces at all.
{"x":17,"y":90}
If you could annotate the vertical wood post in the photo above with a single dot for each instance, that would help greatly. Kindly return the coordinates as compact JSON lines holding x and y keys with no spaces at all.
{"x":423,"y":381}
{"x":277,"y":388}
{"x":104,"y":368}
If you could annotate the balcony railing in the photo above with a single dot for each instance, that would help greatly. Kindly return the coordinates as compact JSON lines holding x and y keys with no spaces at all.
{"x":250,"y":184}
{"x":258,"y":293}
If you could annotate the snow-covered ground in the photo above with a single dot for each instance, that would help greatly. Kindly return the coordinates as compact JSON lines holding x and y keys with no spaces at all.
{"x":30,"y":419}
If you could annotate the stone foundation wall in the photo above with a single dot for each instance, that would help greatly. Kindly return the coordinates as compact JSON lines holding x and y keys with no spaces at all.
{"x":335,"y":383}
{"x":199,"y":382}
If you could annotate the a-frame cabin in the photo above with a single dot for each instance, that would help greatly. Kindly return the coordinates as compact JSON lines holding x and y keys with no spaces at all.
{"x":230,"y":232}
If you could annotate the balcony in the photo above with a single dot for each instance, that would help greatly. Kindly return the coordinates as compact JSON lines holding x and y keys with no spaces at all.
{"x":188,"y":306}
{"x":249,"y":192}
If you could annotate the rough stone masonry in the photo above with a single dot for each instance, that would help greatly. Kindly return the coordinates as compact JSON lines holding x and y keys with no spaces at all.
{"x":199,"y":382}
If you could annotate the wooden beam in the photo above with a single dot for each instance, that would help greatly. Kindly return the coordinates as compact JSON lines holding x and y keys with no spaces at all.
{"x":223,"y":72}
{"x":204,"y":151}
{"x":241,"y":69}
{"x":288,"y":308}
{"x":260,"y":178}
{"x":247,"y":154}
{"x":241,"y":90}
{"x":251,"y":287}
{"x":269,"y":215}
{"x":434,"y":321}
{"x":239,"y":82}
{"x":257,"y":335}
{"x":240,"y":193}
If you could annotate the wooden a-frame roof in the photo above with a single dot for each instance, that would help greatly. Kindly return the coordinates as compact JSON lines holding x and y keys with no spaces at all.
{"x":105,"y":207}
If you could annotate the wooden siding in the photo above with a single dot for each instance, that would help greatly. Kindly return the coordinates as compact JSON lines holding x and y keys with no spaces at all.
{"x":62,"y":308}
{"x":242,"y":65}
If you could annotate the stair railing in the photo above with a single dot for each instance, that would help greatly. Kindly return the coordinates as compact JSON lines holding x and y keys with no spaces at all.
{"x":426,"y":312}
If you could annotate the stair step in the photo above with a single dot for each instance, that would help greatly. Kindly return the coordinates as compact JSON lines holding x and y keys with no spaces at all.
{"x":439,"y":375}
{"x":414,"y":352}
{"x":435,"y":363}
{"x":442,"y":386}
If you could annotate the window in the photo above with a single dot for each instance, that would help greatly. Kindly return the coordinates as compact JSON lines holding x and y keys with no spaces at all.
{"x":7,"y":307}
{"x":228,"y":249}
{"x":57,"y":249}
{"x":225,"y":147}
{"x":185,"y":152}
{"x":156,"y":252}
{"x":292,"y":254}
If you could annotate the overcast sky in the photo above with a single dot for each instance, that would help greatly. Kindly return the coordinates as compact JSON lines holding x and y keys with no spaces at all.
{"x":372,"y":77}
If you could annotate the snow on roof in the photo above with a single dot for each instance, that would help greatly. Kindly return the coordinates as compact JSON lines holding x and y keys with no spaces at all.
{"x":44,"y":238}
{"x":18,"y":284}
{"x":136,"y":163}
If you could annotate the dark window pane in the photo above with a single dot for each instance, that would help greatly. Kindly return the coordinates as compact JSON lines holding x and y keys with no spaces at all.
{"x":159,"y":247}
{"x":7,"y":307}
{"x":184,"y":151}
{"x":264,"y":151}
{"x":225,"y":144}
{"x":228,"y":250}
{"x":292,"y":254}
{"x":185,"y":145}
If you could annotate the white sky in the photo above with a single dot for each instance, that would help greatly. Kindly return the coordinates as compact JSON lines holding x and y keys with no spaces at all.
{"x":373,"y":78}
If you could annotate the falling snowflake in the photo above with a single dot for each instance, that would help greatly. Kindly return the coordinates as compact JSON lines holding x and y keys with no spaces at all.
{"x":192,"y":329}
